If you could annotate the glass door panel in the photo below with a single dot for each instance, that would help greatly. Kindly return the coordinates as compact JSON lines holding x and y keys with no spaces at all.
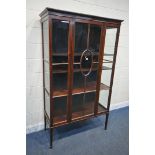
{"x":60,"y":109}
{"x":60,"y":38}
{"x":60,"y":31}
{"x":83,"y":106}
{"x":94,"y":38}
{"x":85,"y":67}
{"x":81,"y":33}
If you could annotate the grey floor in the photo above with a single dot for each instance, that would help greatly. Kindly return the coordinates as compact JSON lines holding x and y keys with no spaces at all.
{"x":85,"y":138}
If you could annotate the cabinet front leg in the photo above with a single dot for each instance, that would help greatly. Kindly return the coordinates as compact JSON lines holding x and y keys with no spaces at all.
{"x":44,"y":122}
{"x":106,"y":121}
{"x":51,"y":138}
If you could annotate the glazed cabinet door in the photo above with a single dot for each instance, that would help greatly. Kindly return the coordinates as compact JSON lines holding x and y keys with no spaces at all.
{"x":59,"y":41}
{"x":86,"y":51}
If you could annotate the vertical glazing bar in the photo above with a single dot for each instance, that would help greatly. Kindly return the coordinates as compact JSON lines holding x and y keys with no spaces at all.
{"x":70,"y":69}
{"x":85,"y":77}
{"x":88,"y":36}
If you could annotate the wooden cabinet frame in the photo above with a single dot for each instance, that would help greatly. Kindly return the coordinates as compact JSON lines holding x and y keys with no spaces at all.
{"x":104,"y":23}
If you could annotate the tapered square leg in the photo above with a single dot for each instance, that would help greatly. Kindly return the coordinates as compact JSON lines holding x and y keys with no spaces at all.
{"x":106,"y":121}
{"x":44,"y":122}
{"x":51,"y":138}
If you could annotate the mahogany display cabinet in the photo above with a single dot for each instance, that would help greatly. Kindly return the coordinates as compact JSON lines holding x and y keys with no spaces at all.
{"x":79,"y":56}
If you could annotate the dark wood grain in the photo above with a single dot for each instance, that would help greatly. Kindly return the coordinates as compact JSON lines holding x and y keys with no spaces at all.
{"x":71,"y":61}
{"x":62,"y":13}
{"x":71,"y":66}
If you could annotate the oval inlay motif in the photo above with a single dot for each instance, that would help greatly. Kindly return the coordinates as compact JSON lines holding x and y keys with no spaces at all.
{"x":86,"y":62}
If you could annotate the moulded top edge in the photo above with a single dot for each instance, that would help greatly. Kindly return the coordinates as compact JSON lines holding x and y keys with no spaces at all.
{"x":51,"y":10}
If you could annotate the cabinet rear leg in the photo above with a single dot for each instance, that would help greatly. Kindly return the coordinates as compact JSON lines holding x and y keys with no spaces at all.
{"x":44,"y":122}
{"x":106,"y":121}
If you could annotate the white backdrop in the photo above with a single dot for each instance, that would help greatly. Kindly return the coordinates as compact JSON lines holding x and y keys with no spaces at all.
{"x":34,"y":92}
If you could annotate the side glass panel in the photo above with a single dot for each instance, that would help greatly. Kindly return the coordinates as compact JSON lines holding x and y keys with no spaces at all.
{"x":47,"y":76}
{"x":85,"y":67}
{"x":46,"y":40}
{"x":60,"y":36}
{"x":107,"y":66}
{"x":47,"y":104}
{"x":46,"y":66}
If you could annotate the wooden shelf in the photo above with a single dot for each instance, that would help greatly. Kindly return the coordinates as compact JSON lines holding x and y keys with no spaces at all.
{"x":91,"y":87}
{"x":63,"y":63}
{"x":83,"y":112}
{"x":75,"y":54}
{"x":104,"y":87}
{"x":101,"y":109}
{"x":107,"y":61}
{"x":106,"y":54}
{"x":88,"y":110}
{"x":60,"y":70}
{"x":78,"y":63}
{"x":106,"y":68}
{"x":66,"y":63}
{"x":60,"y":93}
{"x":60,"y":54}
{"x":61,"y":118}
{"x":78,"y":54}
